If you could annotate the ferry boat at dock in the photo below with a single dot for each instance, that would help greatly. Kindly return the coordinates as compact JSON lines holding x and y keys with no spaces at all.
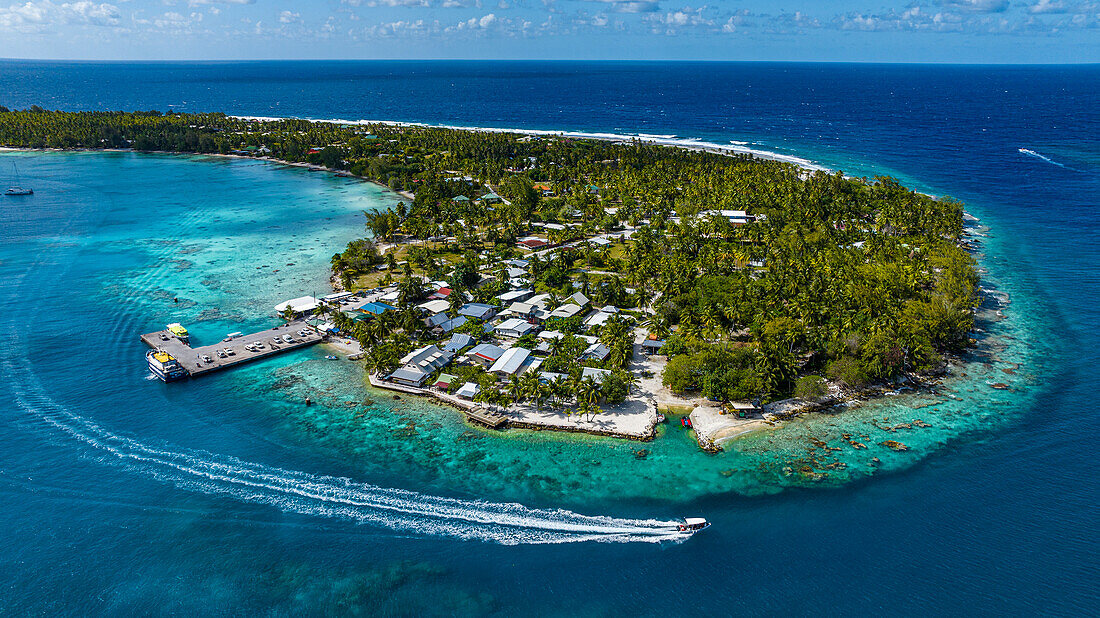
{"x":165,"y":366}
{"x":180,"y":332}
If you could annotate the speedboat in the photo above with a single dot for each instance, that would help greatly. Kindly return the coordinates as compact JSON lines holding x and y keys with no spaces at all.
{"x":331,"y":357}
{"x":692,"y":525}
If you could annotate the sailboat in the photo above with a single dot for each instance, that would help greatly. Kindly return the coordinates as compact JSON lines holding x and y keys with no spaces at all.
{"x":15,"y":188}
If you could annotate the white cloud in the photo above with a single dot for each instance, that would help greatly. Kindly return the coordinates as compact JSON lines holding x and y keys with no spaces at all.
{"x":672,"y":22}
{"x":737,"y":21}
{"x":36,"y":16}
{"x":287,"y":17}
{"x":194,"y":3}
{"x":975,"y":6}
{"x":630,"y":6}
{"x":400,"y":28}
{"x":389,"y":3}
{"x":1048,"y":6}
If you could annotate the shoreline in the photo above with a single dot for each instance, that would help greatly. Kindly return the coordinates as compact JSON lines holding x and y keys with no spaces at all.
{"x":301,"y":164}
{"x":672,"y":141}
{"x":713,"y":434}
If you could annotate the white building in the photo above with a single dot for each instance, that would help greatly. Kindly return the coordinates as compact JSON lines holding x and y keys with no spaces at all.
{"x":567,"y":310}
{"x":305,"y":304}
{"x":433,"y":307}
{"x":513,"y":327}
{"x":514,"y":361}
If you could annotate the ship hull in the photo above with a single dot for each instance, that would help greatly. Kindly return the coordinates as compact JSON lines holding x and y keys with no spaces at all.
{"x":167,"y":373}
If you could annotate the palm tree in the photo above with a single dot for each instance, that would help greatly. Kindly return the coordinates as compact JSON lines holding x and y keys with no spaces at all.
{"x":375,"y":330}
{"x":582,"y":408}
{"x":516,"y":388}
{"x":409,"y":291}
{"x":410,"y":321}
{"x":560,"y":389}
{"x":614,"y":330}
{"x":589,"y":391}
{"x":659,"y":324}
{"x":545,"y":391}
{"x":532,"y":388}
{"x":455,"y":300}
{"x":490,"y":396}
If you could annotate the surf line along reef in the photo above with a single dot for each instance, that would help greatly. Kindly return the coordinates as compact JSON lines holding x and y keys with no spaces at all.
{"x":603,"y":286}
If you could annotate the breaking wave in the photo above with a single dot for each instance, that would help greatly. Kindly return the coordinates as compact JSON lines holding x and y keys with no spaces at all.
{"x":733,"y":147}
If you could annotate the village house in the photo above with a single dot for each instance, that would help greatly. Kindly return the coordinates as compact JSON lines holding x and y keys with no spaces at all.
{"x":567,"y":310}
{"x":514,"y":361}
{"x":457,"y":342}
{"x":508,"y":298}
{"x":513,"y":328}
{"x":478,"y":311}
{"x":419,"y":364}
{"x":485,"y":354}
{"x":432,"y":307}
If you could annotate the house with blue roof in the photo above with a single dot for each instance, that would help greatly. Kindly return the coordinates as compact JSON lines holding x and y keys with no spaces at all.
{"x":377,"y":308}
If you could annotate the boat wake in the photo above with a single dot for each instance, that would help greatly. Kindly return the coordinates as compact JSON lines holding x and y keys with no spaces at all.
{"x":333,"y":497}
{"x":1032,"y":153}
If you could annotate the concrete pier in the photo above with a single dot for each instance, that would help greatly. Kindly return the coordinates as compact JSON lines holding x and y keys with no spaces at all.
{"x":191,"y":358}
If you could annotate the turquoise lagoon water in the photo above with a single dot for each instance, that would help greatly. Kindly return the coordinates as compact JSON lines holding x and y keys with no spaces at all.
{"x":109,"y":244}
{"x":243,"y":235}
{"x":226,"y":494}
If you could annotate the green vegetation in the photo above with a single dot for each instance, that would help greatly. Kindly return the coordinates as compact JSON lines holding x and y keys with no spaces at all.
{"x":854,"y":279}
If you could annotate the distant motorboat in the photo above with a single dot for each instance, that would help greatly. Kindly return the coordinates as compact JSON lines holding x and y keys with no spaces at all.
{"x":15,"y":188}
{"x":331,"y":357}
{"x":692,"y":525}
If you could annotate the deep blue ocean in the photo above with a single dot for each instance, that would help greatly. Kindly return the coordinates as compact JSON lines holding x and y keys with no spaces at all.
{"x":224,"y":495}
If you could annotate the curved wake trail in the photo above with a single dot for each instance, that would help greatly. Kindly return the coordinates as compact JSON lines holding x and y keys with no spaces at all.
{"x":1032,"y":153}
{"x":326,"y":496}
{"x":303,"y":492}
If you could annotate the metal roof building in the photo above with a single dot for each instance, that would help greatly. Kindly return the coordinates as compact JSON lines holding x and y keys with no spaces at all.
{"x":511,"y":362}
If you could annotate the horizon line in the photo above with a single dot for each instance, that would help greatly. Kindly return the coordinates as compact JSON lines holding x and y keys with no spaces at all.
{"x":547,"y":60}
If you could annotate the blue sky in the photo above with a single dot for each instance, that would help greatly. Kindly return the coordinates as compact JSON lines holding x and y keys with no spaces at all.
{"x":995,"y":31}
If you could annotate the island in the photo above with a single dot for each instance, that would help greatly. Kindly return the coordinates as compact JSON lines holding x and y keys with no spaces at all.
{"x":602,"y":285}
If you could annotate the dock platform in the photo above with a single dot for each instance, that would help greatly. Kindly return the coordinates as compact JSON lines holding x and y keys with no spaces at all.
{"x":486,"y":417}
{"x":474,"y":413}
{"x":191,"y":358}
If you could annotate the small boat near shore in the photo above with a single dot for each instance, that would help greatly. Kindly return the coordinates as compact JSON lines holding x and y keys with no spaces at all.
{"x":15,"y":188}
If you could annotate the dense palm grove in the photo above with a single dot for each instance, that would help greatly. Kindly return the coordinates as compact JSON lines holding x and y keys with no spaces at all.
{"x":853,"y":279}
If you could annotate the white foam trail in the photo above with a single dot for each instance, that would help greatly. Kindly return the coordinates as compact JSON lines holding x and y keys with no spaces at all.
{"x":311,"y":494}
{"x":1032,"y":153}
{"x":693,"y":143}
{"x":326,"y":496}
